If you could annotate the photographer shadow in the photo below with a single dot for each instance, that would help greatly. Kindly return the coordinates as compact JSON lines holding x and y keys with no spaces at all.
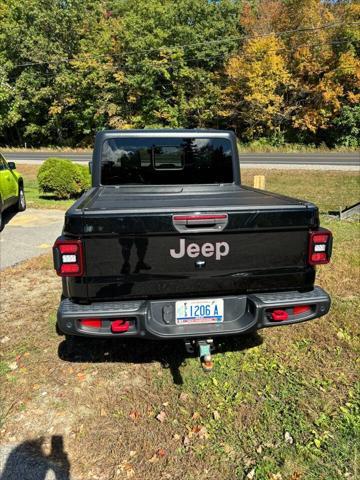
{"x":28,"y":461}
{"x":171,"y":354}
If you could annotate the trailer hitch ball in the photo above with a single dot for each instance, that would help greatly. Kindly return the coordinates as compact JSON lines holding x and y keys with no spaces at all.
{"x":204,"y":348}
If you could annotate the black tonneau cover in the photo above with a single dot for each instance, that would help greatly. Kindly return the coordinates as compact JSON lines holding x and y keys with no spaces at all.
{"x":182,"y":197}
{"x":100,"y":209}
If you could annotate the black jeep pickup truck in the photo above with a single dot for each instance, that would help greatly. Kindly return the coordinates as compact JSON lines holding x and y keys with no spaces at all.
{"x":169,"y":244}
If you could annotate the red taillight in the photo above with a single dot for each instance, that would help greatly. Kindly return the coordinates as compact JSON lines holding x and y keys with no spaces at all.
{"x":91,"y":322}
{"x":68,"y":258}
{"x":69,"y":268}
{"x":320,"y":244}
{"x":68,"y":247}
{"x":320,"y":238}
{"x":319,"y":258}
{"x":200,"y":217}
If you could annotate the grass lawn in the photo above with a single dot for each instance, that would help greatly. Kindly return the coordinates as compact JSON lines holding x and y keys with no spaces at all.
{"x":329,"y":190}
{"x":280,"y":405}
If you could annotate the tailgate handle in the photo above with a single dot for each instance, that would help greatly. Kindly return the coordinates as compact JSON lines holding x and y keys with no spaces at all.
{"x":199,"y":222}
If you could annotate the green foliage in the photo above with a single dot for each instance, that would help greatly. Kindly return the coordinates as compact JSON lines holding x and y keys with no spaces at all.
{"x":70,"y":68}
{"x":347,"y":126}
{"x":63,"y":178}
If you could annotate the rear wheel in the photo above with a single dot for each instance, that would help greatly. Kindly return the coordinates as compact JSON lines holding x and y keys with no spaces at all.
{"x":21,"y":203}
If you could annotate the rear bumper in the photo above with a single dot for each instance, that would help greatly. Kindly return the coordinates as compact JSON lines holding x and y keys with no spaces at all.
{"x":155,"y":319}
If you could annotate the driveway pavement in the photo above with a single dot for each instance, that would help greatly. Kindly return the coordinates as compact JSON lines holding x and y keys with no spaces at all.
{"x":28,"y":234}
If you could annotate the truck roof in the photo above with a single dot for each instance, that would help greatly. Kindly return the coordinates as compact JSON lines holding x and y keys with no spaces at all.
{"x":166,"y":132}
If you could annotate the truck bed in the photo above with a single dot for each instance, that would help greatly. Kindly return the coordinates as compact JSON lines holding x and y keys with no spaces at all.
{"x":128,"y":233}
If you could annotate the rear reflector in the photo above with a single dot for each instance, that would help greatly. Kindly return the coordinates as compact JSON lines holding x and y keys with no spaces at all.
{"x":279,"y":315}
{"x":301,"y":309}
{"x":91,"y":322}
{"x":68,"y":258}
{"x":320,"y":244}
{"x":120,"y":326}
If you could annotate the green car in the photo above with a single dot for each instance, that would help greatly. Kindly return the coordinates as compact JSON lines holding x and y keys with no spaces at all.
{"x":11,"y":188}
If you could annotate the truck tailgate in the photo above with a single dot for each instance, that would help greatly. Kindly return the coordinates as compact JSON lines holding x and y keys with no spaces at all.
{"x":262,"y":246}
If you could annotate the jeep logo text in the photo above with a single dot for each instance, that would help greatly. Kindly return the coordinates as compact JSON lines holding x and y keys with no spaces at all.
{"x":193,"y":250}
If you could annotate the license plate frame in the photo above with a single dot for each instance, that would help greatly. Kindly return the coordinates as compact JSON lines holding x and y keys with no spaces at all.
{"x":199,"y":311}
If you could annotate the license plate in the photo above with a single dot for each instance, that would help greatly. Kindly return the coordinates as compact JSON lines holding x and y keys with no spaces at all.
{"x":200,"y":311}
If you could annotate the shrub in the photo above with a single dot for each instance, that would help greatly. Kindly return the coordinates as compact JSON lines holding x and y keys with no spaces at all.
{"x":63,"y":178}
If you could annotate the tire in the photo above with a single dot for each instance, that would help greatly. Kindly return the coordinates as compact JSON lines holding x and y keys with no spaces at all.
{"x":21,"y":203}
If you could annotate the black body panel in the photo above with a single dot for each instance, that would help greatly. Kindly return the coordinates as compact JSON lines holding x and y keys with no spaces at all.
{"x":128,"y":234}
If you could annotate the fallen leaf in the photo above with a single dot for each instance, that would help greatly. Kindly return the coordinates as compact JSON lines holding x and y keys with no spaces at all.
{"x":184,"y":397}
{"x":165,"y":404}
{"x":103,"y":412}
{"x":161,"y":416}
{"x":203,"y":433}
{"x":153,"y":459}
{"x":195,"y":415}
{"x":251,"y":474}
{"x":200,"y":431}
{"x":134,"y":415}
{"x":228,"y":448}
{"x":81,"y":377}
{"x":128,"y":468}
{"x":176,"y":436}
{"x":216,"y":415}
{"x":186,"y":440}
{"x":288,"y":438}
{"x":13,"y":366}
{"x":276,"y":476}
{"x":161,"y":453}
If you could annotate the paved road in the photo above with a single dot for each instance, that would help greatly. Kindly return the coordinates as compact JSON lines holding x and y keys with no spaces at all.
{"x":28,"y":234}
{"x":331,"y":161}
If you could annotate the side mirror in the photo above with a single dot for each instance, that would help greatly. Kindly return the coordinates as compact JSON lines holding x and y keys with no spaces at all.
{"x":11,"y":165}
{"x":90,"y":167}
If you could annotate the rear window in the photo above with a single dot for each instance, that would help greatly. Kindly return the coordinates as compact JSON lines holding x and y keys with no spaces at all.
{"x":166,"y":161}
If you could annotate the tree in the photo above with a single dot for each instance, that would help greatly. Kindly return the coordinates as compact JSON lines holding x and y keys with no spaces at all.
{"x":255,"y":100}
